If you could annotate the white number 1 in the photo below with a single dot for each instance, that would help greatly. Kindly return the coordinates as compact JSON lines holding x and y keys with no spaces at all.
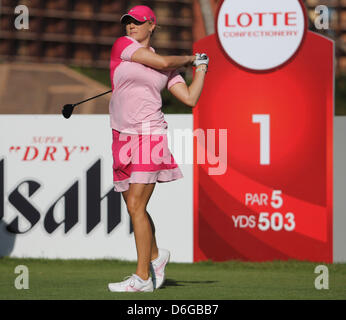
{"x":264,"y":121}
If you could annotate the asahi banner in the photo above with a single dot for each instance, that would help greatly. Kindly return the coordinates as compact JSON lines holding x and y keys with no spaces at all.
{"x":57,"y":198}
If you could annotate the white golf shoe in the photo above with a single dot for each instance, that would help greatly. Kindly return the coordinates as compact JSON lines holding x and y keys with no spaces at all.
{"x":132,"y":284}
{"x":157,"y":268}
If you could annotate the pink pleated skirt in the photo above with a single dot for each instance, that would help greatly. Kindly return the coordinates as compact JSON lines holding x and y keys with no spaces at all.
{"x":142,"y":159}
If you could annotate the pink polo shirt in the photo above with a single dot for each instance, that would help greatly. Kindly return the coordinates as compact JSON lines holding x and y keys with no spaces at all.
{"x":135,"y":105}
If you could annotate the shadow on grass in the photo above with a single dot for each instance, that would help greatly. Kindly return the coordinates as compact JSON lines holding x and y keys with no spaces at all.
{"x":174,"y":283}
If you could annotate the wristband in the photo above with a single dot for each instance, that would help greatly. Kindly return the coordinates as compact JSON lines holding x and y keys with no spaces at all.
{"x":202,"y":69}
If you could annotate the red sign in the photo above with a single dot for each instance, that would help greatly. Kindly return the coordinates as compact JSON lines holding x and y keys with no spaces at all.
{"x":275,"y":199}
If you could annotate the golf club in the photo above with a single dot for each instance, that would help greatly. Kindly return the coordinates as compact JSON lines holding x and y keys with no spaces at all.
{"x":68,"y":108}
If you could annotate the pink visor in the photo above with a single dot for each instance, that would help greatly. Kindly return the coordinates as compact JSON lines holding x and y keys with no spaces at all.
{"x":140,"y":13}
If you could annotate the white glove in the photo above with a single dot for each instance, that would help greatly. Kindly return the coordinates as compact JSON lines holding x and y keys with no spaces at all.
{"x":201,"y":58}
{"x":198,"y":56}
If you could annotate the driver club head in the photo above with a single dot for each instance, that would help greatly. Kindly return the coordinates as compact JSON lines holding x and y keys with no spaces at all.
{"x":67,"y":110}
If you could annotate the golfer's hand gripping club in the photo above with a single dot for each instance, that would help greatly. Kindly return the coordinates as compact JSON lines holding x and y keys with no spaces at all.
{"x":201,"y":58}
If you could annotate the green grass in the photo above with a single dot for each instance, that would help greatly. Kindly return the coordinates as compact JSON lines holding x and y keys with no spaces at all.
{"x":87,"y":279}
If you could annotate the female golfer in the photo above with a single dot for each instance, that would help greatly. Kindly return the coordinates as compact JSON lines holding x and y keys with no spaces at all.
{"x":140,"y":151}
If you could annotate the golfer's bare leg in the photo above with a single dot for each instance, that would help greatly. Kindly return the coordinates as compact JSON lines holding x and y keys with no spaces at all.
{"x":154,"y":248}
{"x":137,"y":200}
